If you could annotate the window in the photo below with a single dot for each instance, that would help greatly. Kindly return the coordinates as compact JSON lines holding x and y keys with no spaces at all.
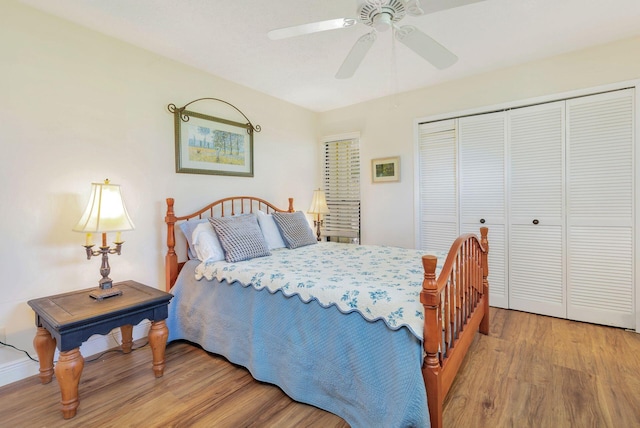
{"x":341,"y":182}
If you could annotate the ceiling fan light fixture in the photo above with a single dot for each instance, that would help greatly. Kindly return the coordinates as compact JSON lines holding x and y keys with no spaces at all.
{"x":372,"y":11}
{"x":382,"y":21}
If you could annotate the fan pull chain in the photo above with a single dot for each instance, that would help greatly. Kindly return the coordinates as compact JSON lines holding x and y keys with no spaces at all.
{"x":394,"y":74}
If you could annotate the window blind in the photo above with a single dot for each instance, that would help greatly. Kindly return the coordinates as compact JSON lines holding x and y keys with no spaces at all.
{"x":342,"y":188}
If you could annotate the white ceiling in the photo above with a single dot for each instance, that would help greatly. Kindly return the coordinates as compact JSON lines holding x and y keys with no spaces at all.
{"x":228,"y":38}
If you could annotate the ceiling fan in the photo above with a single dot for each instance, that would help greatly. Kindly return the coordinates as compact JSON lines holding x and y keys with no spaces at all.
{"x":382,"y":15}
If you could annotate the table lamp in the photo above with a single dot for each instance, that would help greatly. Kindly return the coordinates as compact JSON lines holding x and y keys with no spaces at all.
{"x":318,"y":207}
{"x":105,"y":213}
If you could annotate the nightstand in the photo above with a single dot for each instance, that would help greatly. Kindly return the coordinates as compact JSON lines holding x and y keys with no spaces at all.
{"x":66,"y":320}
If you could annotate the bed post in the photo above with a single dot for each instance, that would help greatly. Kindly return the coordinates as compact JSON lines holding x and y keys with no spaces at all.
{"x":171,"y":259}
{"x":290,"y":209}
{"x":484,"y":324}
{"x":430,"y":299}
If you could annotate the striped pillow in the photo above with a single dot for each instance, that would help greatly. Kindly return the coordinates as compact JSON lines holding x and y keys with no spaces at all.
{"x":240,"y":237}
{"x":294,"y":229}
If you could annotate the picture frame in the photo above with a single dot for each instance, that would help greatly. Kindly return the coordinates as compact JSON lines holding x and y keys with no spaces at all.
{"x":211,"y":145}
{"x":385,"y":170}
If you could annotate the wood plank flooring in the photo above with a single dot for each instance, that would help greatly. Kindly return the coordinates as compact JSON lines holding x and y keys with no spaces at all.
{"x":531,"y":371}
{"x":547,"y":372}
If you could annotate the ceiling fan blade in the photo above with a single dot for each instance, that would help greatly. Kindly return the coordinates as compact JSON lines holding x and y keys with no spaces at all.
{"x":356,"y":55}
{"x":313,"y":27}
{"x":425,"y":46}
{"x":416,"y":8}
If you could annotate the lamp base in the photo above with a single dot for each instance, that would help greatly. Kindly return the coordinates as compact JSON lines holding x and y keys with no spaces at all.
{"x":104,"y":293}
{"x":318,"y":223}
{"x":105,"y":285}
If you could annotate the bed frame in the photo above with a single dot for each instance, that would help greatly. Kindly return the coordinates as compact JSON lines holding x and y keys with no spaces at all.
{"x":456,"y":303}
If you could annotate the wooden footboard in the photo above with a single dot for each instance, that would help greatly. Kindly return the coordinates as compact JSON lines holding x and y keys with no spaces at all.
{"x":456,"y":305}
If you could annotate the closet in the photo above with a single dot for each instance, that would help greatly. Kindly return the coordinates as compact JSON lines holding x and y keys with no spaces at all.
{"x":554,"y":183}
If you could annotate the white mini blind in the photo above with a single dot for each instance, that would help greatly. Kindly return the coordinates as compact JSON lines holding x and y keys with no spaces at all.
{"x":342,"y":188}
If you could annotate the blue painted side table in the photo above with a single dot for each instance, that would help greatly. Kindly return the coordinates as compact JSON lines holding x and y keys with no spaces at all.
{"x":66,"y":320}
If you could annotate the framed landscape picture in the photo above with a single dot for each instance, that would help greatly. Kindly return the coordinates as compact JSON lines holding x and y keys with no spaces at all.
{"x":210,"y":145}
{"x":384,"y":170}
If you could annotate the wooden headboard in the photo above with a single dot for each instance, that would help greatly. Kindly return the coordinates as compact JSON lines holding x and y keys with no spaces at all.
{"x":232,"y":205}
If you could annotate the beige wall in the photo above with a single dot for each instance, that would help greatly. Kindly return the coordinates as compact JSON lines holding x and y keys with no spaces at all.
{"x":78,"y":107}
{"x":387,"y":124}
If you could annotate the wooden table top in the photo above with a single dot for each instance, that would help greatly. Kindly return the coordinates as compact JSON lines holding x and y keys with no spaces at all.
{"x":68,"y":310}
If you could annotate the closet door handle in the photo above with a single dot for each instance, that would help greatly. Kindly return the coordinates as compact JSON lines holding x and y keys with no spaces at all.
{"x":535,"y":221}
{"x":482,"y":220}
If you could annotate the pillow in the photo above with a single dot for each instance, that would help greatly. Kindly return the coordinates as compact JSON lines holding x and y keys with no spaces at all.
{"x":187,"y":228}
{"x":295,"y":229}
{"x":206,"y":244}
{"x":241,"y":237}
{"x":270,"y":231}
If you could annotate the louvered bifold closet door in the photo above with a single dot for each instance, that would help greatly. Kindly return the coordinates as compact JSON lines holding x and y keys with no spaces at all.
{"x":342,"y":188}
{"x":482,"y":140}
{"x":600,"y":159}
{"x":536,"y":196}
{"x":438,"y":206}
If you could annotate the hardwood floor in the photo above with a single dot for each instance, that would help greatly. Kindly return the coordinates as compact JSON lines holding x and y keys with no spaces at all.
{"x":547,"y":372}
{"x":531,"y":371}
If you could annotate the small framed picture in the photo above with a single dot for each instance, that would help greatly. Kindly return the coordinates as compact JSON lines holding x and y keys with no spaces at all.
{"x":384,"y":170}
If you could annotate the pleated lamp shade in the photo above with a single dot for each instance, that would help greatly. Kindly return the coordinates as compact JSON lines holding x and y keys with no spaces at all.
{"x":105,"y":211}
{"x":318,"y":203}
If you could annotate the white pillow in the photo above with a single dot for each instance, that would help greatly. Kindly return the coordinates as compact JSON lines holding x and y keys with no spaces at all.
{"x":206,"y":244}
{"x":270,"y":231}
{"x":187,"y":228}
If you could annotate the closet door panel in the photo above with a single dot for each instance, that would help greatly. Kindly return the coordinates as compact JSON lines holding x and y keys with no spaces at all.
{"x":438,"y":236}
{"x":600,"y":158}
{"x":536,"y":269}
{"x":438,"y":183}
{"x":601,"y":278}
{"x":482,"y":171}
{"x":600,"y":208}
{"x":537,"y":163}
{"x":536,"y":195}
{"x":482,"y":140}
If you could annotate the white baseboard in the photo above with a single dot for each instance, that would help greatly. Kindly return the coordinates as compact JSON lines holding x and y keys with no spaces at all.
{"x":22,"y":367}
{"x":16,"y":370}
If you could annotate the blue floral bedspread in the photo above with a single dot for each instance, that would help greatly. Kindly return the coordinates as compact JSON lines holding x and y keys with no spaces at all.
{"x":378,"y":282}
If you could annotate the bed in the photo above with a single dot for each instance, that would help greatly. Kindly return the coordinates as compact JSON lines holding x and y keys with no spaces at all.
{"x":380,"y":348}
